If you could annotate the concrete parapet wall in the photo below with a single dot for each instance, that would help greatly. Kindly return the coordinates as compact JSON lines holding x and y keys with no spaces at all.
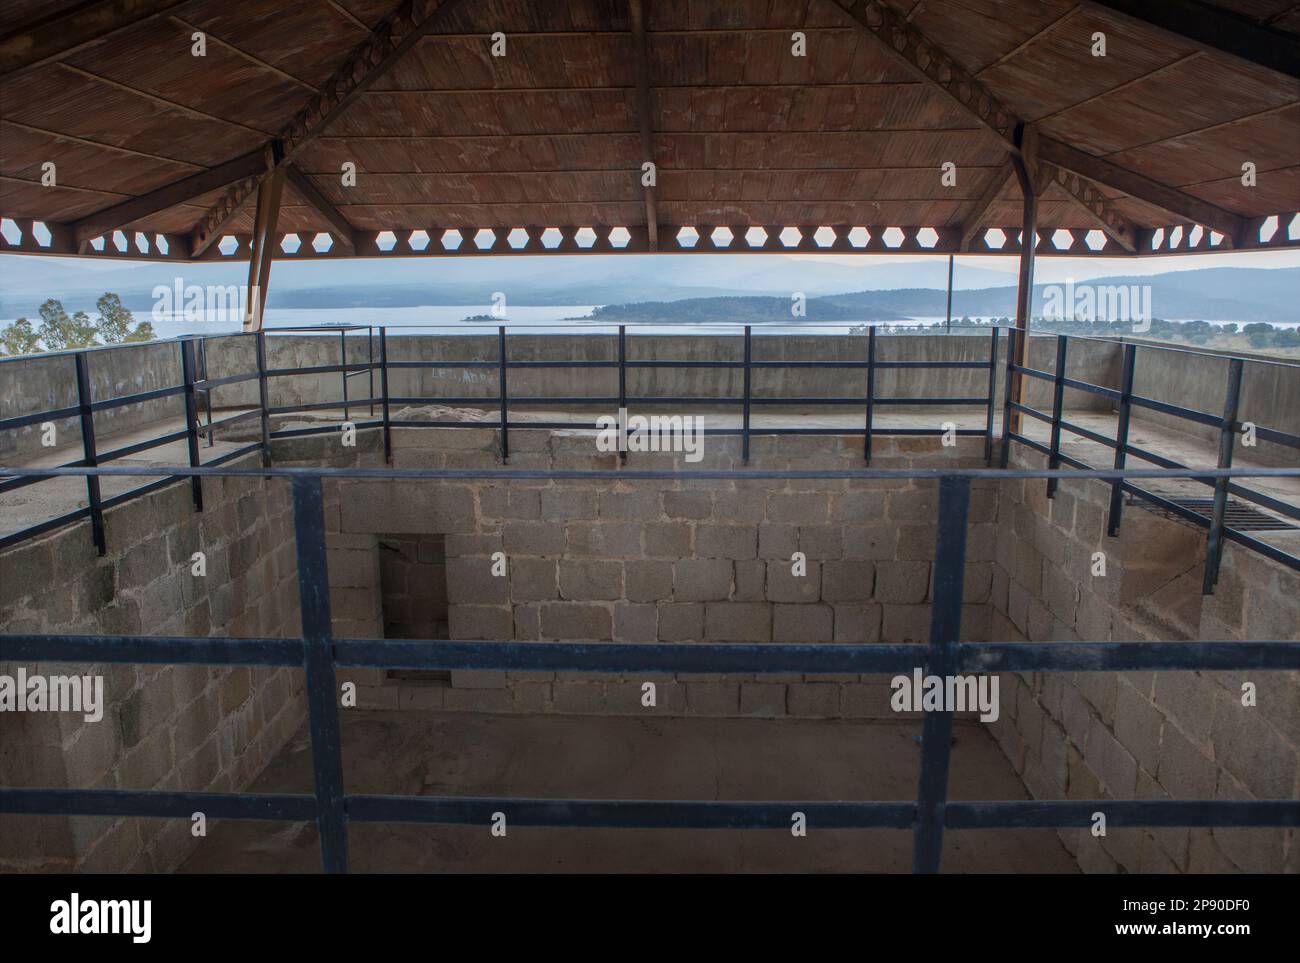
{"x":181,"y":728}
{"x":1148,"y":735}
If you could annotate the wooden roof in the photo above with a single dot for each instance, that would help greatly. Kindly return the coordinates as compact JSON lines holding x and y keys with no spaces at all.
{"x":555,"y":132}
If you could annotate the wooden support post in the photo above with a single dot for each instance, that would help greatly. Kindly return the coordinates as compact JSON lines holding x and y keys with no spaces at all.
{"x":259,"y":261}
{"x":1025,"y":284}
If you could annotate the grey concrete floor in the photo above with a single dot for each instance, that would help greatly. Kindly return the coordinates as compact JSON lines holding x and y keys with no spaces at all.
{"x":620,"y":757}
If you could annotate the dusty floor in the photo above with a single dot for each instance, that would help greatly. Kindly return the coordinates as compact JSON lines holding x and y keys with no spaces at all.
{"x":615,"y":757}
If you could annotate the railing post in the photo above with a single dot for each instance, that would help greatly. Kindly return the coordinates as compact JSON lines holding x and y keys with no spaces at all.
{"x":501,"y":378}
{"x":745,"y":413}
{"x":1227,"y":438}
{"x":871,"y":392}
{"x":941,"y":661}
{"x":370,"y":369}
{"x":264,"y":398}
{"x":88,"y":452}
{"x":318,"y":665}
{"x":1058,"y":400}
{"x":192,"y":420}
{"x":1115,"y":515}
{"x":622,"y":390}
{"x":1013,"y":334}
{"x":993,"y":390}
{"x":207,"y":392}
{"x":383,"y":386}
{"x":343,"y":360}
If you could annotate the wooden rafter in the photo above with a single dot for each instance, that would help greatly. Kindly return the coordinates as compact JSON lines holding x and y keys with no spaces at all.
{"x":50,"y":38}
{"x":264,"y":241}
{"x":388,"y":42}
{"x":977,"y":219}
{"x":247,"y":166}
{"x":1216,"y":30}
{"x":314,"y":198}
{"x":911,"y":48}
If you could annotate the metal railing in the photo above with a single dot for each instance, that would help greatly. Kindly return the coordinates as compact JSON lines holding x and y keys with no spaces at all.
{"x":1227,"y":424}
{"x":195,"y":383}
{"x":928,"y":816}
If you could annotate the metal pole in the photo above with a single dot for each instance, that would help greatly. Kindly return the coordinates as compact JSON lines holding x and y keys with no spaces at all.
{"x":1058,"y":398}
{"x":1025,"y":282}
{"x":622,"y":389}
{"x":370,"y":348}
{"x":951,"y":258}
{"x":993,"y":387}
{"x":88,"y":452}
{"x":264,"y":397}
{"x":383,"y":386}
{"x":318,"y":664}
{"x":343,"y":360}
{"x":1013,"y":336}
{"x":207,"y":392}
{"x":941,"y":661}
{"x":192,"y":420}
{"x":745,"y":415}
{"x":501,"y":378}
{"x":871,"y":392}
{"x":1227,"y":438}
{"x":1115,"y":515}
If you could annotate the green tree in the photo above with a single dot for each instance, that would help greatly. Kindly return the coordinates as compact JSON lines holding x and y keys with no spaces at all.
{"x":59,"y":332}
{"x":19,"y":338}
{"x":114,"y":323}
{"x":143,"y":332}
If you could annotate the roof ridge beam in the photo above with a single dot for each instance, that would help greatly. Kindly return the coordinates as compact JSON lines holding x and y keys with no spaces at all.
{"x":392,"y":37}
{"x":1214,"y":30}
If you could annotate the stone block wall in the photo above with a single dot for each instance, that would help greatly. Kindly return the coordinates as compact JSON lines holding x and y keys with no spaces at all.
{"x":1144,"y":735}
{"x":642,"y":561}
{"x":185,"y":728}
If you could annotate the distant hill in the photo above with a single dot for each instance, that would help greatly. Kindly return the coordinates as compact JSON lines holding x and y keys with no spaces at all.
{"x":1215,"y":294}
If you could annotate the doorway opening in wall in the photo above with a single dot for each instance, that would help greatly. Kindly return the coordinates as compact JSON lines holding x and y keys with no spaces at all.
{"x":413,"y":590}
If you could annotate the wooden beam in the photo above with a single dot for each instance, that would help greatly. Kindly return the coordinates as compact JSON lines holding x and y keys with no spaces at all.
{"x":264,"y":239}
{"x":645,"y":113}
{"x":911,"y":48}
{"x":1184,"y":206}
{"x":1087,"y":198}
{"x":58,"y":35}
{"x":169,"y":195}
{"x":392,"y":37}
{"x":977,"y":219}
{"x":1216,"y":30}
{"x":314,"y":198}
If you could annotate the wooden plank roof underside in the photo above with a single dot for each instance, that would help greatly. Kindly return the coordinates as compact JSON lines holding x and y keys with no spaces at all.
{"x":743,"y":132}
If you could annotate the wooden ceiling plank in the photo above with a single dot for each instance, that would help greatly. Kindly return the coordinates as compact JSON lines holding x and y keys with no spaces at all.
{"x":169,"y":195}
{"x":911,"y":47}
{"x":99,"y":145}
{"x":397,"y":33}
{"x":1215,"y":30}
{"x":312,"y":195}
{"x":244,"y":54}
{"x":53,"y":37}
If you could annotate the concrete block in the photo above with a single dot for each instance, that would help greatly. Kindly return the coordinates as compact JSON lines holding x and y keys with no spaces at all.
{"x":1113,"y":764}
{"x":820,"y":700}
{"x":568,"y":503}
{"x":905,"y":623}
{"x":638,"y":504}
{"x":809,"y":508}
{"x":576,"y":621}
{"x":701,"y":580}
{"x":726,"y":541}
{"x":902,"y":583}
{"x":1138,"y":724}
{"x":533,"y":579}
{"x":712,"y":698}
{"x":590,"y":580}
{"x":857,"y":623}
{"x":471,"y":580}
{"x":764,"y":699}
{"x":737,"y":622}
{"x":750,"y":581}
{"x":602,"y":538}
{"x":777,"y":541}
{"x":848,"y":581}
{"x":668,"y":539}
{"x":688,"y":504}
{"x":680,"y":622}
{"x":802,"y":623}
{"x":784,"y":586}
{"x":635,"y":622}
{"x":648,"y":580}
{"x":480,"y":622}
{"x":530,"y":538}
